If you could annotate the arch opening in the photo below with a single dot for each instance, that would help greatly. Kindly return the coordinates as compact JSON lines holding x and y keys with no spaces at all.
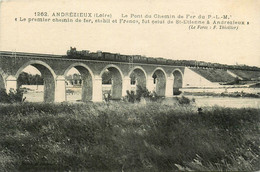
{"x":137,"y":78}
{"x":38,"y":83}
{"x":79,"y":84}
{"x":177,"y":82}
{"x":159,"y":81}
{"x":112,"y":83}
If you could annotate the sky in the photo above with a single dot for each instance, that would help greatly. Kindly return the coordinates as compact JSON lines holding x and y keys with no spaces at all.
{"x":177,"y":42}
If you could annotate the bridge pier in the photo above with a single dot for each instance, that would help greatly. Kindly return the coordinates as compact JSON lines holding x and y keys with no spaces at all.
{"x":2,"y":82}
{"x":11,"y":83}
{"x":60,"y":91}
{"x":150,"y":84}
{"x":126,"y":85}
{"x":169,"y":87}
{"x":87,"y":87}
{"x":97,"y":89}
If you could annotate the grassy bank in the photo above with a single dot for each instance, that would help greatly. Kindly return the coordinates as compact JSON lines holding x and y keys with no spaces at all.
{"x":129,"y":137}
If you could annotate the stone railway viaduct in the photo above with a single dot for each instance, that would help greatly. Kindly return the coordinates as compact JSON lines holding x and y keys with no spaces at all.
{"x":54,"y":68}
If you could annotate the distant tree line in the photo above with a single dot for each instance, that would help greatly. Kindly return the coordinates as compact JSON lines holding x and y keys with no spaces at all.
{"x":74,"y":76}
{"x":29,"y":79}
{"x":106,"y":77}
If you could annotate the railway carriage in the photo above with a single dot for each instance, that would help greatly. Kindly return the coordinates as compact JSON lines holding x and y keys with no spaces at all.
{"x":106,"y":56}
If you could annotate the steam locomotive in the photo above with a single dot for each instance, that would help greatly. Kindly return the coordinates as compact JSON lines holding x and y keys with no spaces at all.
{"x":106,"y":56}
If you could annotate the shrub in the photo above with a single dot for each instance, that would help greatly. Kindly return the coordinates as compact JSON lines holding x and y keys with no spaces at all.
{"x":12,"y":97}
{"x":141,"y":92}
{"x":131,"y":97}
{"x":16,"y":96}
{"x":176,"y":91}
{"x":184,"y":100}
{"x":4,"y":98}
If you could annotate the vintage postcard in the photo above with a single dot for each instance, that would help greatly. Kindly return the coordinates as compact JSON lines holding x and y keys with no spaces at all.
{"x":143,"y":85}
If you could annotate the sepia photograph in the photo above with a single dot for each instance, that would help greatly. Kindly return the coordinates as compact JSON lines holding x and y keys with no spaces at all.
{"x":143,"y":85}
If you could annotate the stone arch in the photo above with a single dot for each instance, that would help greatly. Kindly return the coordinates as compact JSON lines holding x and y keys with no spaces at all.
{"x":159,"y":76}
{"x":49,"y":78}
{"x":117,"y":80}
{"x":140,"y":76}
{"x":2,"y":79}
{"x":87,"y":80}
{"x":111,"y":66}
{"x":177,"y":80}
{"x":159,"y":68}
{"x":33,"y":62}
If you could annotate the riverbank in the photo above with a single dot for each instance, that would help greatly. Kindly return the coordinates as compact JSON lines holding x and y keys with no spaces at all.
{"x":120,"y":136}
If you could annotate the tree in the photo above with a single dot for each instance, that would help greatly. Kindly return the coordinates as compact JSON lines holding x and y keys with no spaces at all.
{"x":29,"y":79}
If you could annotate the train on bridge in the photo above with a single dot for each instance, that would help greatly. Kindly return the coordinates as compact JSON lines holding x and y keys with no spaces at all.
{"x":73,"y":53}
{"x":106,"y":56}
